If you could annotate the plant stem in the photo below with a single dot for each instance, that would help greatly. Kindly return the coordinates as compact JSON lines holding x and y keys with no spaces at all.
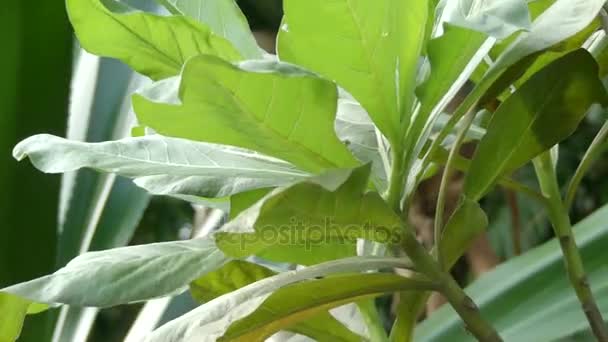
{"x":396,"y":183}
{"x":593,"y":153}
{"x":445,"y":179}
{"x":572,"y":258}
{"x":458,"y":299}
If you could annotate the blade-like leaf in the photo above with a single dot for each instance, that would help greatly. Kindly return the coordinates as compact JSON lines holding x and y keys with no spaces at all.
{"x":237,"y":274}
{"x":223,"y":17}
{"x":163,"y":165}
{"x":264,"y":106}
{"x":497,"y":18}
{"x":312,"y":221}
{"x":301,"y":301}
{"x":370,"y":48}
{"x":124,"y":275}
{"x":465,"y":224}
{"x":210,"y":321}
{"x":552,"y":311}
{"x":153,"y":45}
{"x":544,"y":111}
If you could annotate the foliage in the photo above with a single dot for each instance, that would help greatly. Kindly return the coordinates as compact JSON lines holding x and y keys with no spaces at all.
{"x":319,"y":150}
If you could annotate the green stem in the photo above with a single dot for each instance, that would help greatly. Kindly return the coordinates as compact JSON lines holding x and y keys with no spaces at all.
{"x":593,"y":152}
{"x":562,"y":227}
{"x":445,"y":178}
{"x":396,"y":183}
{"x":458,"y":299}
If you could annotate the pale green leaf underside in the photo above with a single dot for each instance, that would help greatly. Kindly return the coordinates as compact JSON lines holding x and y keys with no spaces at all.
{"x":562,"y":20}
{"x":152,"y":45}
{"x":238,"y":273}
{"x":13,"y":309}
{"x":210,"y":321}
{"x":223,"y":17}
{"x":163,"y":165}
{"x":544,"y":111}
{"x":265,"y":106}
{"x":309,"y":223}
{"x":358,"y":132}
{"x":370,"y":48}
{"x":124,"y":275}
{"x":497,"y":18}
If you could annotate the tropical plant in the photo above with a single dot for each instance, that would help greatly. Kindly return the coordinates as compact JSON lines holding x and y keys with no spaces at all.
{"x":317,"y":152}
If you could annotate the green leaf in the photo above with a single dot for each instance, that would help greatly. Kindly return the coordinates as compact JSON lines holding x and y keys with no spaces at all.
{"x":223,"y":17}
{"x":564,"y":19}
{"x":497,"y":18}
{"x":124,"y":275}
{"x":312,"y":221}
{"x":266,"y":106}
{"x":237,"y":274}
{"x":241,"y":201}
{"x":465,"y":224}
{"x":210,"y":321}
{"x":547,"y":308}
{"x":14,"y":309}
{"x":544,"y":111}
{"x":152,"y":45}
{"x":370,"y":48}
{"x":303,"y":300}
{"x":163,"y":165}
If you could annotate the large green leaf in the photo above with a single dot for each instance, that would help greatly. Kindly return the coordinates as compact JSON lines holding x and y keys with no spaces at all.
{"x":210,"y":321}
{"x":301,"y":301}
{"x":544,"y":111}
{"x":266,"y":106}
{"x":547,"y":308}
{"x":312,"y":221}
{"x":153,"y":45}
{"x":237,"y":274}
{"x":370,"y":48}
{"x":163,"y":165}
{"x":124,"y":275}
{"x":223,"y":17}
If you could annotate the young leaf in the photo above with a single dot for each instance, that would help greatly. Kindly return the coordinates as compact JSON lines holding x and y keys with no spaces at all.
{"x":544,"y":111}
{"x":301,"y":301}
{"x":312,"y":221}
{"x":124,"y":275}
{"x":266,"y":106}
{"x":14,"y":309}
{"x":370,"y":48}
{"x":223,"y":17}
{"x":465,"y":224}
{"x":237,"y":274}
{"x":163,"y":165}
{"x":152,"y":45}
{"x":210,"y":321}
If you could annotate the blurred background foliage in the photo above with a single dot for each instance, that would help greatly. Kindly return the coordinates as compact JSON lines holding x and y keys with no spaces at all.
{"x":36,"y":65}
